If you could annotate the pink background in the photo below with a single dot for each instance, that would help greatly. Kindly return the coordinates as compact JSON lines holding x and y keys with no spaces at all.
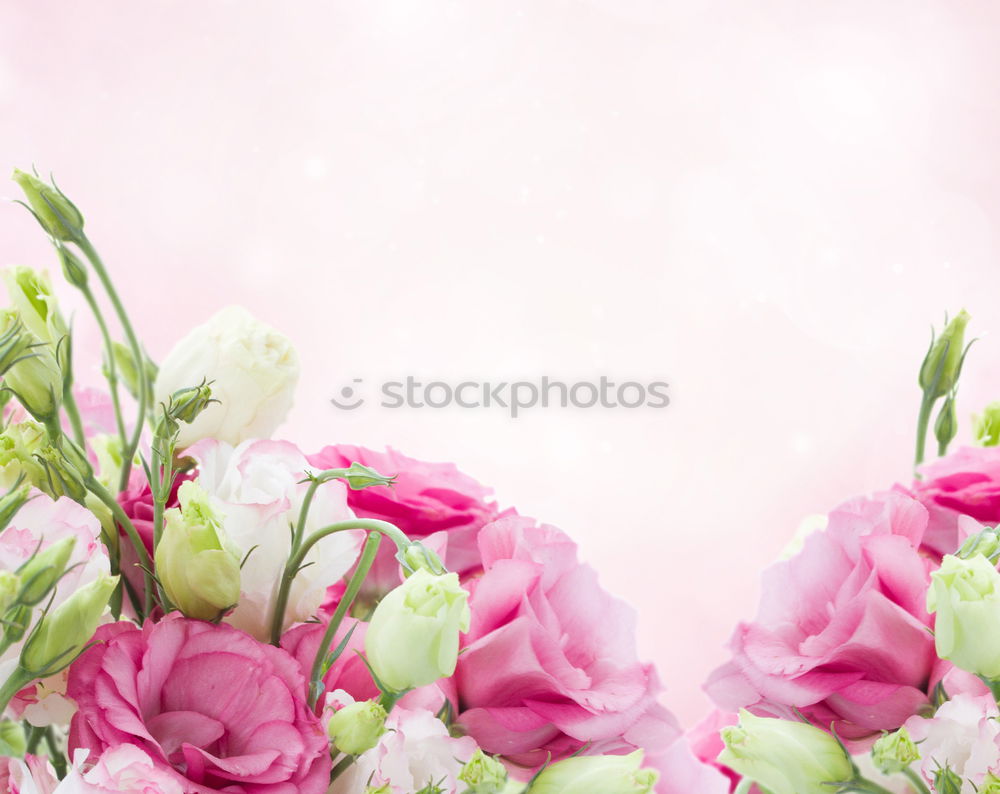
{"x":766,"y":204}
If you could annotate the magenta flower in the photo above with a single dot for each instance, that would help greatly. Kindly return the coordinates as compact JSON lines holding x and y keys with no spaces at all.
{"x":209,"y":704}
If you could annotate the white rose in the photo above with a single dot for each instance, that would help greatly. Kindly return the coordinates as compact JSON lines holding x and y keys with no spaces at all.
{"x":257,"y":489}
{"x":253,"y":370}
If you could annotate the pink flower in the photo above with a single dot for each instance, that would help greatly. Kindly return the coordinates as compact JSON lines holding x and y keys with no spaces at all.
{"x":964,"y":734}
{"x":842,"y":631}
{"x":125,"y":768}
{"x":33,"y":775}
{"x":208,"y":704}
{"x":425,"y":499}
{"x":349,"y":672}
{"x":964,"y":483}
{"x":549,"y":664}
{"x":683,"y":772}
{"x":415,"y":751}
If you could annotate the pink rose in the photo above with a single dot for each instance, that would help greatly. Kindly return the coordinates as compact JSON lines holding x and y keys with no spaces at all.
{"x":208,"y":704}
{"x":426,"y":498}
{"x":682,"y":771}
{"x":842,"y":633}
{"x":549,"y":664}
{"x":964,"y":483}
{"x":125,"y":768}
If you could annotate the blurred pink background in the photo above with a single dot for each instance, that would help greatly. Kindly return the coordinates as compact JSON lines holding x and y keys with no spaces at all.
{"x":765,"y":204}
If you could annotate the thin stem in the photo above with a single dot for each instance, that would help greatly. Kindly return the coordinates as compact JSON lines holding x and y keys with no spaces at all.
{"x":298,"y":555}
{"x":55,"y":754}
{"x":137,"y":355}
{"x":73,"y":412}
{"x":317,"y":481}
{"x":923,"y":420}
{"x":126,"y":523}
{"x":342,"y":765}
{"x":917,"y":781}
{"x":357,"y":579}
{"x":112,"y":369}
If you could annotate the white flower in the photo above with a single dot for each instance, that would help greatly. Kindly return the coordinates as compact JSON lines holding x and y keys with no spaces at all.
{"x":257,"y":489}
{"x":416,"y":750}
{"x":253,"y":370}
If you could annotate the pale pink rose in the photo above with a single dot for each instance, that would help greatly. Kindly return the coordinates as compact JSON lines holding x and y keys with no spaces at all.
{"x":964,"y":734}
{"x":842,"y":633}
{"x":682,"y":772}
{"x":964,"y":483}
{"x":416,"y":750}
{"x":211,"y":706}
{"x":33,"y":775}
{"x":258,"y":490}
{"x":426,"y":498}
{"x":119,"y":770}
{"x":549,"y":664}
{"x":39,"y":524}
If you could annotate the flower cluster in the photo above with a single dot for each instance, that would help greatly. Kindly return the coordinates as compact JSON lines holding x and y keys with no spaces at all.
{"x":188,"y":605}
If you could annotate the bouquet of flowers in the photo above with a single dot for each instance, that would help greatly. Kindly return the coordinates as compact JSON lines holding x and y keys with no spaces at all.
{"x":188,"y":606}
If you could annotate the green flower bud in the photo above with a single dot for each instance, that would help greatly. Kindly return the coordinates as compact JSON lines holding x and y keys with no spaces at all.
{"x":62,"y":633}
{"x":110,"y":454}
{"x":19,"y":443}
{"x":417,"y":556}
{"x":15,"y":623}
{"x":943,"y":362}
{"x":947,"y":782}
{"x":431,"y":788}
{"x":62,"y":474}
{"x":359,"y":476}
{"x":990,"y":784}
{"x":56,"y":213}
{"x":588,"y":774}
{"x":33,"y":299}
{"x":10,"y":586}
{"x":127,"y":370}
{"x":11,"y":503}
{"x":965,"y":595}
{"x":483,"y":774}
{"x":894,"y":752}
{"x":74,"y":271}
{"x":412,"y":639}
{"x":785,"y":757}
{"x":383,"y":789}
{"x":30,"y":369}
{"x":357,"y":727}
{"x":12,"y":740}
{"x":986,"y":426}
{"x":43,"y":570}
{"x":946,"y":424}
{"x":195,"y":562}
{"x":985,"y":543}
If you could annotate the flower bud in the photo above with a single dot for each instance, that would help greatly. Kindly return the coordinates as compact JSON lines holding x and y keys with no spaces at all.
{"x":412,"y":639}
{"x":990,"y":784}
{"x":986,"y":426}
{"x":383,"y":789}
{"x":588,"y":774}
{"x":19,"y":443}
{"x":195,"y":563}
{"x":417,"y":556}
{"x":947,"y":782}
{"x":943,"y":362}
{"x":10,"y":586}
{"x":483,"y":774}
{"x":12,"y":741}
{"x":894,"y":752}
{"x":43,"y":570}
{"x":56,"y":213}
{"x":946,"y":424}
{"x":12,"y":501}
{"x":357,"y":727}
{"x":359,"y":476}
{"x":62,"y":474}
{"x":29,"y":368}
{"x":125,"y":363}
{"x":785,"y":757}
{"x":965,"y":595}
{"x":74,"y":271}
{"x":35,"y":302}
{"x":984,"y":543}
{"x":62,"y":633}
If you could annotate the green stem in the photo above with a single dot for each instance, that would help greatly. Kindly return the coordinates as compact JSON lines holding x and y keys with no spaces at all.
{"x":55,"y":754}
{"x":923,"y":420}
{"x":18,"y":680}
{"x":126,"y":523}
{"x":342,"y":765}
{"x":917,"y":781}
{"x":34,"y":739}
{"x":298,"y":555}
{"x":357,"y":579}
{"x":73,"y":412}
{"x":137,"y":355}
{"x":317,"y":481}
{"x":112,"y":368}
